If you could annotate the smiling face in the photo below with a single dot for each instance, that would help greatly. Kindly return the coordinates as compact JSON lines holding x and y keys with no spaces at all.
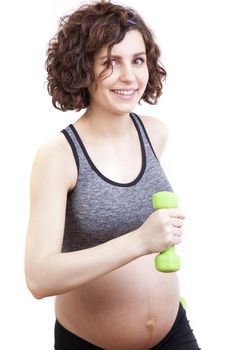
{"x":123,"y":88}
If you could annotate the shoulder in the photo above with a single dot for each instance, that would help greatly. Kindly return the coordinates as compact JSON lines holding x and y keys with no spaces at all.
{"x":54,"y":163}
{"x":157,"y":132}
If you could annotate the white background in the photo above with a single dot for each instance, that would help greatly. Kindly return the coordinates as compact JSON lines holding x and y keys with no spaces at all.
{"x":196,"y":42}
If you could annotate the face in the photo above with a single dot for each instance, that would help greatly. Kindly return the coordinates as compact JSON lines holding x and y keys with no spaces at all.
{"x":123,"y":88}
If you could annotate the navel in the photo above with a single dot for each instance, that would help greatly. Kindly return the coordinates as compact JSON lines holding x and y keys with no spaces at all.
{"x":150,"y":323}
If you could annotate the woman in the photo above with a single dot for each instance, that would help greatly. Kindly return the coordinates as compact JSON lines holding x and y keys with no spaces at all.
{"x":93,"y":234}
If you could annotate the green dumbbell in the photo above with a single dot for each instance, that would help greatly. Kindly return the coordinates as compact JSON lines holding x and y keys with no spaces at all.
{"x":167,"y":260}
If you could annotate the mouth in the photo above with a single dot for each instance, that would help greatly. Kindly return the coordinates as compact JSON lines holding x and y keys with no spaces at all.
{"x":125,"y":94}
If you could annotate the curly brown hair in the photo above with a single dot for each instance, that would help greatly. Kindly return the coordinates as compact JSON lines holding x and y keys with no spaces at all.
{"x":71,"y":53}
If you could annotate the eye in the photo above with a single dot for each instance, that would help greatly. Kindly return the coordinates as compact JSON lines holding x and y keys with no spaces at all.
{"x":113,"y":62}
{"x":139,"y":60}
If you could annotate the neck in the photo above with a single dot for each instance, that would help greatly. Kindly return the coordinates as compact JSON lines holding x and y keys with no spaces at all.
{"x":107,"y":125}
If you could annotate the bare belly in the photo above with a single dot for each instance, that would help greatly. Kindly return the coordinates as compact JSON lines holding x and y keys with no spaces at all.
{"x":131,"y":308}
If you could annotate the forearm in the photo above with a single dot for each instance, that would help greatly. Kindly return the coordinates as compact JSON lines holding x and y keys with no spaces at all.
{"x":63,"y":272}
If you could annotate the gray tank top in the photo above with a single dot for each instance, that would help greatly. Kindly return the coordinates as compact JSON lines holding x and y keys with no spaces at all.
{"x":99,"y":209}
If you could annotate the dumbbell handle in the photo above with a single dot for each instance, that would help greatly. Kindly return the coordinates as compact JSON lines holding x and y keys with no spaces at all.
{"x":168,"y":260}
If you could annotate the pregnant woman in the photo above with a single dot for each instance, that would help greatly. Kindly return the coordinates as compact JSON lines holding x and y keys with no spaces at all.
{"x":92,"y":232}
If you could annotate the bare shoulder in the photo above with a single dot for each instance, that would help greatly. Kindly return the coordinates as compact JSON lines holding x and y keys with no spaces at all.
{"x":54,"y":162}
{"x":157,"y":131}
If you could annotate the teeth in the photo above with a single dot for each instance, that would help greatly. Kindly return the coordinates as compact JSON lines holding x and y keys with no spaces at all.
{"x":124,"y":92}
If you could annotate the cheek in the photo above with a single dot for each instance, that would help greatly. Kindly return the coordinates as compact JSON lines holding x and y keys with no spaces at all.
{"x":111,"y":78}
{"x":144,"y":76}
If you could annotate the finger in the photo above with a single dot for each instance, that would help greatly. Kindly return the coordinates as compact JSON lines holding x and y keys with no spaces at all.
{"x":177,"y":222}
{"x":177,"y":232}
{"x":176,"y":213}
{"x":173,"y":239}
{"x":177,"y":240}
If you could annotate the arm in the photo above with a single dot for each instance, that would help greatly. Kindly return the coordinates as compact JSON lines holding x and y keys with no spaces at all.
{"x":50,"y":272}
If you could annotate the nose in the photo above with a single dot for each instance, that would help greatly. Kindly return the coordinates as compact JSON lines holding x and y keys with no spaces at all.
{"x":127,"y":73}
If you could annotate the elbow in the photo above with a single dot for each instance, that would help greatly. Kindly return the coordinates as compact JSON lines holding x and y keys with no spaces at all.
{"x":36,"y":284}
{"x":35,"y":289}
{"x":32,"y":283}
{"x":37,"y":295}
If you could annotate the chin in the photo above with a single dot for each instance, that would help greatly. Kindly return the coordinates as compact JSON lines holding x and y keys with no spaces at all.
{"x":126,"y":109}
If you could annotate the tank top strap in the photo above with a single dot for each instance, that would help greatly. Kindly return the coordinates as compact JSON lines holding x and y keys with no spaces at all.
{"x":150,"y":152}
{"x":77,"y":146}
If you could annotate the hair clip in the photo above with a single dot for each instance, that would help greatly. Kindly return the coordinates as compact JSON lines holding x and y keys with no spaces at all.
{"x":131,"y":22}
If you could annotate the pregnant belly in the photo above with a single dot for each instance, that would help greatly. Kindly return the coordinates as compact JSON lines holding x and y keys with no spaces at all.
{"x":131,"y":308}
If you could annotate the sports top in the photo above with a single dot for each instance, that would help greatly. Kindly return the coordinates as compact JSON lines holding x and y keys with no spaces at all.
{"x":99,"y":209}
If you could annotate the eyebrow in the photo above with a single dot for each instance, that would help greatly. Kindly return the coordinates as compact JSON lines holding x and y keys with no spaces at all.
{"x":117,"y":56}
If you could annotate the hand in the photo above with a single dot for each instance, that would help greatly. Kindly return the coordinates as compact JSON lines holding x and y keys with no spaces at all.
{"x":162,"y":229}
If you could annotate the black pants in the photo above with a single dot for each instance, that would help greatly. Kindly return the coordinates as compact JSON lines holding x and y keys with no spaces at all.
{"x":180,"y":337}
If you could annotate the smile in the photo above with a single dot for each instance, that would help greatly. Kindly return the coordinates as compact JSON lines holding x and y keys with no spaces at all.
{"x":125,"y":95}
{"x":124,"y":92}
